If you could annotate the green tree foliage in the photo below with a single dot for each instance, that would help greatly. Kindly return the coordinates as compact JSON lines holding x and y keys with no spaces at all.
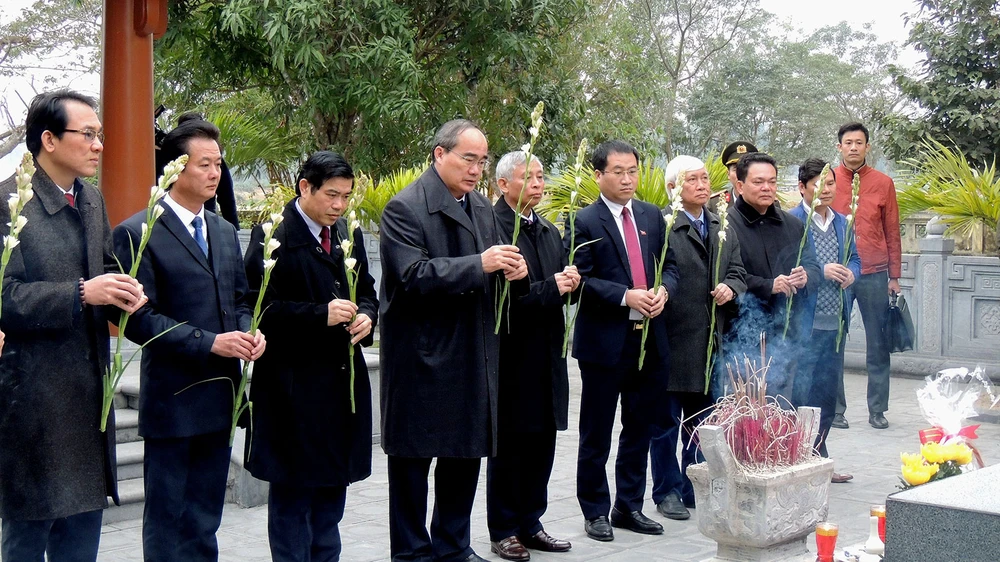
{"x":956,"y":90}
{"x":372,"y":78}
{"x":790,"y":97}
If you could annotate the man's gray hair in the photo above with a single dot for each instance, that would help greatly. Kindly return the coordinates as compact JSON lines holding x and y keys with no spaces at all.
{"x":686,"y":163}
{"x":447,"y":136}
{"x":510,"y":161}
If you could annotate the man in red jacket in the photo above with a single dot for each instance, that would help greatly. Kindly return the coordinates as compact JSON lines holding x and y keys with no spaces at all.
{"x":877,"y":235}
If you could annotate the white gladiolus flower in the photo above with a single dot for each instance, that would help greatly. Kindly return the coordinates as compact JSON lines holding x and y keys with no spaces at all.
{"x":13,"y":203}
{"x":849,"y":218}
{"x":669,"y":220}
{"x":269,"y":264}
{"x":18,"y":225}
{"x":266,"y":227}
{"x":350,"y":263}
{"x":534,"y":132}
{"x":157,"y":211}
{"x":144,"y":230}
{"x":352,"y":216}
{"x":276,"y":218}
{"x":573,"y":194}
{"x":525,"y":148}
{"x":722,"y":236}
{"x":26,"y":195}
{"x":355,"y":224}
{"x":24,"y":179}
{"x":345,"y":245}
{"x":9,"y":242}
{"x":271,"y":246}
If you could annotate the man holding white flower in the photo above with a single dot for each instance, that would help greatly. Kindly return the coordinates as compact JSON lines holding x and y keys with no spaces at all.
{"x":58,"y":292}
{"x":305,"y":440}
{"x":695,"y":239}
{"x":442,"y":262}
{"x":194,"y":269}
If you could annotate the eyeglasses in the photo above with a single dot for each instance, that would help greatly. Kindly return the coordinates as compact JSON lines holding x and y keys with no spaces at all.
{"x":89,"y":135}
{"x":618,"y":172}
{"x":471,"y":160}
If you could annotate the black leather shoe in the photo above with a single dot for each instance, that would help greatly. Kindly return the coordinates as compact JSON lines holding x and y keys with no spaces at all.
{"x":673,"y":508}
{"x":545,"y":542}
{"x":510,"y":549}
{"x":635,"y":522}
{"x":840,"y":422}
{"x":878,"y":421}
{"x":599,"y":529}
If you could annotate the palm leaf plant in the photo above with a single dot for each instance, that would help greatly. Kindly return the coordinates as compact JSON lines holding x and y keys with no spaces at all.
{"x":940,"y":179}
{"x":650,"y":188}
{"x":378,"y":194}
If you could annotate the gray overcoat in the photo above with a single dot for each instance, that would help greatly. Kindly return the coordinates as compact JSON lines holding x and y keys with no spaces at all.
{"x":438,"y":353}
{"x":54,"y":461}
{"x":690,"y":306}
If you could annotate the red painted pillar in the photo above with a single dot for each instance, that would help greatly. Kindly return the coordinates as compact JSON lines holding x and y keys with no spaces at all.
{"x":127,"y":103}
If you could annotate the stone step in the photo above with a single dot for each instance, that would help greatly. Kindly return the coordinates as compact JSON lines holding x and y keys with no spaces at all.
{"x":128,"y":389}
{"x":131,"y":494}
{"x":126,"y":425}
{"x":130,"y":460}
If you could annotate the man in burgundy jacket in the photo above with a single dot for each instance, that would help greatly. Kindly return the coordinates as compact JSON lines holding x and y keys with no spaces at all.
{"x":877,"y":235}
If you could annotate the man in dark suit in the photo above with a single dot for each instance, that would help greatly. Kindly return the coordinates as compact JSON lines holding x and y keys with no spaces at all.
{"x":534,"y":386}
{"x":442,"y":262}
{"x":769,"y":243}
{"x":305,"y":439}
{"x":59,"y":290}
{"x":618,"y":270}
{"x":194,"y":271}
{"x":694,"y":239}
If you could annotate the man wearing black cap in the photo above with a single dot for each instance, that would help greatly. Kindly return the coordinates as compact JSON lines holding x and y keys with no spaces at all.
{"x":730,"y":156}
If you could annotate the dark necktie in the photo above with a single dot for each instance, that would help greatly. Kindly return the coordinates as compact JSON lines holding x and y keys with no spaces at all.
{"x":466,"y":206}
{"x":324,"y":238}
{"x":70,"y":199}
{"x":634,"y":251}
{"x":700,"y":225}
{"x":199,"y":237}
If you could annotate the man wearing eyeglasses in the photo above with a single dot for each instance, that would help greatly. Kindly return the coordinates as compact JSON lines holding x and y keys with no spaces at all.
{"x":618,"y":271}
{"x":61,"y":286}
{"x":442,"y":262}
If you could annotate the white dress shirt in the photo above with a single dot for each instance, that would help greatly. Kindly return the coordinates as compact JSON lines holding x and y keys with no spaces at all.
{"x":616,"y":212}
{"x":187,"y":217}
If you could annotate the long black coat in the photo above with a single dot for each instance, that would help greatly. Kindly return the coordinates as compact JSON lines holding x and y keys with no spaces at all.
{"x":534,"y":384}
{"x":769,"y":244}
{"x":438,"y":353}
{"x":54,"y":461}
{"x":690,"y":307}
{"x":303,"y":431}
{"x":209,"y":296}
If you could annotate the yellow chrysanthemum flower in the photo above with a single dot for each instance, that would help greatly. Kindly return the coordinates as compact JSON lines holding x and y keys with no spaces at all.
{"x":934,"y":452}
{"x":911,"y":459}
{"x":917,"y":475}
{"x":963,"y":454}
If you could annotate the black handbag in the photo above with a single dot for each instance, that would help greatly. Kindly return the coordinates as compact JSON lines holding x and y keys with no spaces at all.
{"x":898,"y":328}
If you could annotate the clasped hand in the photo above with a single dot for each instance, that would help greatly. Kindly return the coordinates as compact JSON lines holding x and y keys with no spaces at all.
{"x":567,"y":280}
{"x":506,"y":258}
{"x":116,"y":289}
{"x":647,"y":302}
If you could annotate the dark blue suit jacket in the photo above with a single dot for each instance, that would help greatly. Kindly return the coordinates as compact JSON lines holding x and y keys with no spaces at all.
{"x":603,"y":322}
{"x":210,"y":296}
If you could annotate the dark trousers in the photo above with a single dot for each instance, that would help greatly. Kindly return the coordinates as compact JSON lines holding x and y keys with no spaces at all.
{"x":669,"y":475}
{"x":302,"y":522}
{"x":68,"y":539}
{"x":640,"y":394}
{"x":455,"y":482}
{"x":872,"y":293}
{"x":820,"y":367}
{"x":185,"y":483}
{"x":517,"y":482}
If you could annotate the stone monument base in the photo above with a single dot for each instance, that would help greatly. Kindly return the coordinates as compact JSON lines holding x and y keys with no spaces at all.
{"x":792,"y":551}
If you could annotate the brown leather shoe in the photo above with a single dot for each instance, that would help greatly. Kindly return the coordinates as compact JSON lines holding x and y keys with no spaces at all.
{"x":510,"y":549}
{"x":839,"y":478}
{"x":545,"y":542}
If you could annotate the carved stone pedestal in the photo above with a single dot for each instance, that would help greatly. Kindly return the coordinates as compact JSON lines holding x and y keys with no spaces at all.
{"x":762,"y":517}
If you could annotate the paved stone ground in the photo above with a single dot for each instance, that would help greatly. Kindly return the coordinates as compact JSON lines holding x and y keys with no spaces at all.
{"x":871,"y":455}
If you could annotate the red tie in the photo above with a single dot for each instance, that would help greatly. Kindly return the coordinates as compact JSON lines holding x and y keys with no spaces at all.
{"x":634,"y":251}
{"x":324,"y":238}
{"x":70,"y":199}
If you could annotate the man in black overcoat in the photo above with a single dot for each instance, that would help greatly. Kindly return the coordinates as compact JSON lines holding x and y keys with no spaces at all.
{"x":618,"y":272}
{"x":305,"y":440}
{"x":769,"y":243}
{"x":442,"y":264}
{"x":194,"y":270}
{"x":534,"y":386}
{"x":694,"y":239}
{"x":59,"y":290}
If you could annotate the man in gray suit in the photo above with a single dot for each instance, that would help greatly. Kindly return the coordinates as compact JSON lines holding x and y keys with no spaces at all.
{"x":59,"y":290}
{"x":442,"y":261}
